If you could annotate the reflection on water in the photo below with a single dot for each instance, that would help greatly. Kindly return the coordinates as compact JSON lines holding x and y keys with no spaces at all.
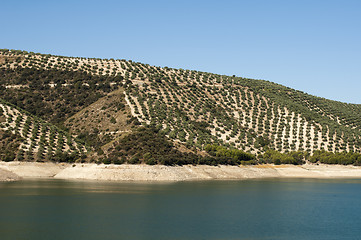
{"x":252,"y":209}
{"x":68,"y":187}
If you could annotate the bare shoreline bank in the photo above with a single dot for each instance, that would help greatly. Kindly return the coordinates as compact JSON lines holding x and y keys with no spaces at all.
{"x":87,"y":171}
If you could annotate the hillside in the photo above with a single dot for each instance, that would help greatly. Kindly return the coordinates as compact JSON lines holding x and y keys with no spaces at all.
{"x":102,"y":100}
{"x":25,"y":137}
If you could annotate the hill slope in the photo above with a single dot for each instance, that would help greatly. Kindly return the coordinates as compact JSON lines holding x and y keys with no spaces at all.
{"x":193,"y":108}
{"x":24,"y":137}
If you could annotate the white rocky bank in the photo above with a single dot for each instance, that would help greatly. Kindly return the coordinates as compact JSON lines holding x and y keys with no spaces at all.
{"x":125,"y":172}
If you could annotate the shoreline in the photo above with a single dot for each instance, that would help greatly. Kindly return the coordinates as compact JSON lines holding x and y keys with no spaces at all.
{"x":12,"y":171}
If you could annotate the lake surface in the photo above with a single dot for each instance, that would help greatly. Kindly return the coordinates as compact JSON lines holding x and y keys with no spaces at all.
{"x":251,"y":210}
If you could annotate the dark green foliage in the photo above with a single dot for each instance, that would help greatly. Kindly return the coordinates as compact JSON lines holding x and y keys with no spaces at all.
{"x":92,"y":139}
{"x":9,"y":144}
{"x":343,"y":158}
{"x":148,"y":145}
{"x":63,"y":157}
{"x":112,"y":120}
{"x":229,"y":156}
{"x":275,"y":157}
{"x":72,"y":91}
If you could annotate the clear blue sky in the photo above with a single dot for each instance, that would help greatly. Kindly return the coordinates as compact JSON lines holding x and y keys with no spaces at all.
{"x":313,"y":46}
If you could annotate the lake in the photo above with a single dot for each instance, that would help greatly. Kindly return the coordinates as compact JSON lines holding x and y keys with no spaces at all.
{"x":251,"y":210}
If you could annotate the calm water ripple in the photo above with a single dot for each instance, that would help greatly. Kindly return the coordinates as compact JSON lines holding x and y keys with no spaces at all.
{"x":251,"y":210}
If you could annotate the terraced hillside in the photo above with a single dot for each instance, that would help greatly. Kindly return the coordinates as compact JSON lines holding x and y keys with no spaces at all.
{"x":194,"y":108}
{"x":24,"y":137}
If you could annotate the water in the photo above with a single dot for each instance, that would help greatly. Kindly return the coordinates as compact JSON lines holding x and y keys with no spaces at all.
{"x":251,"y":210}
